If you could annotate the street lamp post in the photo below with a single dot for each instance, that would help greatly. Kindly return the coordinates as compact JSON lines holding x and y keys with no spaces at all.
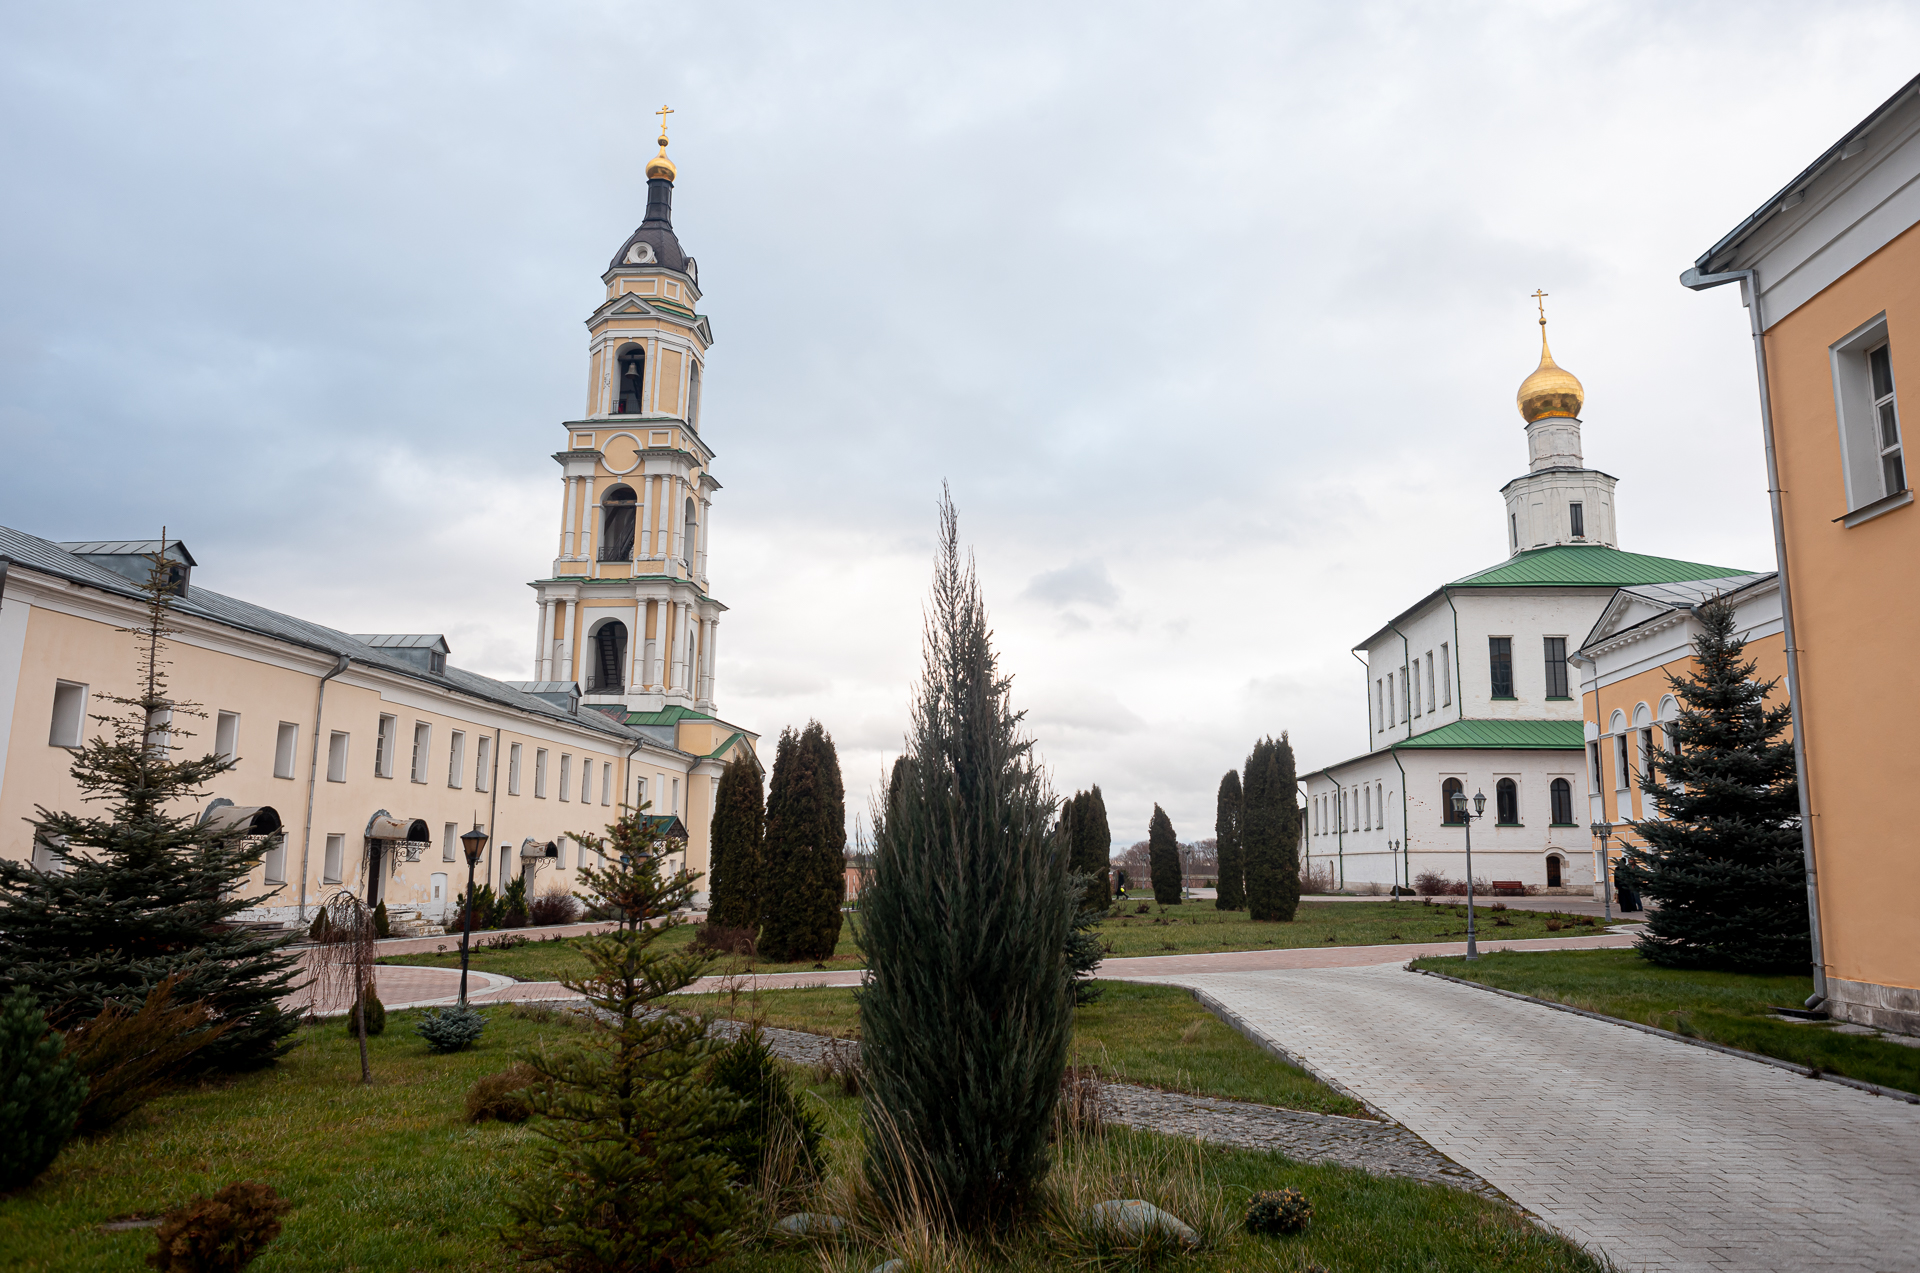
{"x":1393,"y":852}
{"x":473,"y":844}
{"x":1466,"y":820}
{"x":1602,"y":830}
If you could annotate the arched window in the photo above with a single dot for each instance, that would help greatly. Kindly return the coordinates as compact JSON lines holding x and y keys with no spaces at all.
{"x":1506,"y":796}
{"x":1562,"y":802}
{"x":1553,"y":859}
{"x":631,"y":370}
{"x":690,"y":536}
{"x":617,"y":509}
{"x":693,"y":397}
{"x":609,"y":656}
{"x":1448,"y":790}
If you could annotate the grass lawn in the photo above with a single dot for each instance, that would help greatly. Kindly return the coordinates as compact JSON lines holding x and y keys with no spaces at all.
{"x":1721,"y":1007}
{"x":390,"y":1179}
{"x":1156,"y":1035}
{"x":1185,"y":929}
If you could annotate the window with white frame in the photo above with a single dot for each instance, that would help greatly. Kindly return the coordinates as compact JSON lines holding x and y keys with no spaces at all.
{"x":69,"y":714}
{"x":1379,"y":705}
{"x":286,"y":747}
{"x":560,"y":847}
{"x":1556,"y":659}
{"x":1380,"y":802}
{"x":1410,"y":677}
{"x":1577,"y":520}
{"x":456,"y":757}
{"x":483,"y":763}
{"x":513,"y":769}
{"x":337,"y":756}
{"x":566,"y":773}
{"x":606,"y":782}
{"x":1871,"y":449}
{"x":1886,"y":421}
{"x":1366,"y":809}
{"x":1622,"y":766}
{"x":540,"y":773}
{"x":1393,"y":713}
{"x":422,"y":749}
{"x":331,"y":865}
{"x":1446,"y":677}
{"x":676,"y":797}
{"x":449,"y":838}
{"x":640,"y":799}
{"x":273,"y":862}
{"x":384,"y":740}
{"x":1430,"y":698}
{"x":226,"y":736}
{"x":586,"y":779}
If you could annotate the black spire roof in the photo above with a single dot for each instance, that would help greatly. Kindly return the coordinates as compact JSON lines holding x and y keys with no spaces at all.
{"x":656,"y":232}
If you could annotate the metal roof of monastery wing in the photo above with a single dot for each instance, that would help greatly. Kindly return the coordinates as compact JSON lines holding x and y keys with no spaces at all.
{"x":1588,"y":565}
{"x":1479,"y":735}
{"x":1666,"y":598}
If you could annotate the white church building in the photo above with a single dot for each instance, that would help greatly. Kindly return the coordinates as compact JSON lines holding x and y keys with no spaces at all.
{"x":1469,"y":689}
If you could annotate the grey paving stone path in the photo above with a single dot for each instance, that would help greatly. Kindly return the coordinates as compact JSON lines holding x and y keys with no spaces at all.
{"x":1664,"y":1156}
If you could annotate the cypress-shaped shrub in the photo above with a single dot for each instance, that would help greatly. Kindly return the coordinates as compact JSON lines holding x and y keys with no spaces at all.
{"x":40,"y":1092}
{"x":1724,"y":858}
{"x":1231,"y":894}
{"x":967,"y":1017}
{"x":805,"y":876}
{"x":382,"y":927}
{"x":1163,"y":858}
{"x":513,"y":903}
{"x":1091,"y":841}
{"x":1270,"y":831}
{"x":739,"y":826}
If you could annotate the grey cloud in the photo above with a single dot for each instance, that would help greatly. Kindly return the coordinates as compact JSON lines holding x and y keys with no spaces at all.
{"x":1081,"y":582}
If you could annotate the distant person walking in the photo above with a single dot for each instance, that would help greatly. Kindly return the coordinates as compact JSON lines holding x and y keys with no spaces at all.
{"x":1624,"y":890}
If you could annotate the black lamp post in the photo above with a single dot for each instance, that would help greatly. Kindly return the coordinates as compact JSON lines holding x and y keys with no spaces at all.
{"x":1466,"y":820}
{"x":473,"y":844}
{"x":1602,"y":830}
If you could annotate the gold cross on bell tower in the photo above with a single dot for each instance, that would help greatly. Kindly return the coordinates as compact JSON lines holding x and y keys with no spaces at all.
{"x":1540,"y":299}
{"x":663,"y":112}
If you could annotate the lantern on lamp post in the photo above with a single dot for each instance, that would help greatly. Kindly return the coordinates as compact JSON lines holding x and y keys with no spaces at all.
{"x":1466,"y":820}
{"x":473,"y":844}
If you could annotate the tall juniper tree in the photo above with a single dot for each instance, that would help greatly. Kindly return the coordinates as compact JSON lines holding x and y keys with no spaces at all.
{"x":1724,"y":857}
{"x":140,"y":890}
{"x":1163,"y":858}
{"x":1231,"y":895}
{"x":739,"y":825}
{"x":967,"y":1018}
{"x":1089,"y":839}
{"x":804,"y":879}
{"x":1270,"y":831}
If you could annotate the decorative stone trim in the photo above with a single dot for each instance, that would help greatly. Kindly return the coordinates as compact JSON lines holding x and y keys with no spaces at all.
{"x":1895,"y":1009}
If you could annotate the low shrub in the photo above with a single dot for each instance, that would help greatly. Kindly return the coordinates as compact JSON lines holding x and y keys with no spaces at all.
{"x":220,"y":1234}
{"x":773,"y":1115}
{"x":40,"y":1092}
{"x":449,"y":1029}
{"x":130,"y":1057}
{"x":513,"y":904}
{"x":555,"y":906}
{"x":723,"y":940}
{"x":376,"y":1013}
{"x":1276,"y":1211}
{"x":1432,"y":884}
{"x":503,"y":1096}
{"x":840,"y":1065}
{"x":381,"y":927}
{"x":486,"y":909}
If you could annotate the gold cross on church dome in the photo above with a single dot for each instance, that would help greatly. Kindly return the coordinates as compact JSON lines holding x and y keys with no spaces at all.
{"x":1540,"y":299}
{"x":663,"y":112}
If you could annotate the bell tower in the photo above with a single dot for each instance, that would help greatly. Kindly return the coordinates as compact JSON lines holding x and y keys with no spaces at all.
{"x":625,"y":613}
{"x":1559,"y":500}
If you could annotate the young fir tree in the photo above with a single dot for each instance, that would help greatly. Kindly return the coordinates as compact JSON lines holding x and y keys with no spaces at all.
{"x":1092,"y":843}
{"x":139,"y":891}
{"x":1270,"y":831}
{"x":1084,"y":951}
{"x":1163,"y":858}
{"x":739,"y":823}
{"x":633,"y":1172}
{"x":1231,"y":895}
{"x":967,"y":1017}
{"x":1724,"y":857}
{"x":805,"y":876}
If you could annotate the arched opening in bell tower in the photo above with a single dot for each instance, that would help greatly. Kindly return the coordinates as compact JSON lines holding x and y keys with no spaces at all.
{"x":631,"y":364}
{"x":617,"y":509}
{"x":609,"y":647}
{"x":690,"y":536}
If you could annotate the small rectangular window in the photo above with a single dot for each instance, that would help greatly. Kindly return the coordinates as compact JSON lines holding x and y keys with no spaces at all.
{"x":274,"y":862}
{"x":513,"y":769}
{"x":1556,"y":652}
{"x":226,"y":736}
{"x":676,"y":797}
{"x":1393,"y":703}
{"x":566,"y":773}
{"x":606,"y":782}
{"x":1886,"y":420}
{"x":384,"y":740}
{"x":1430,"y":698}
{"x":1513,"y":529}
{"x":1446,"y":677}
{"x":586,"y":779}
{"x":641,"y":798}
{"x":1379,"y":706}
{"x":337,"y":757}
{"x":1620,"y":765}
{"x":540,"y":773}
{"x":286,"y":744}
{"x":69,"y":714}
{"x":1500,"y":665}
{"x":449,"y":841}
{"x":482,"y":763}
{"x":336,"y":852}
{"x":1577,"y":520}
{"x":456,"y":756}
{"x":422,"y":750}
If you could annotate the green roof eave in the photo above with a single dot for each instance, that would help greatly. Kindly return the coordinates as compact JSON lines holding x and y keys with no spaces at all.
{"x":1589,"y":565}
{"x":1502,"y":735}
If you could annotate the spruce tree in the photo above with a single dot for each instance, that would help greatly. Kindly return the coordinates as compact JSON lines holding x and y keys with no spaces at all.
{"x":805,"y":874}
{"x":967,"y":1017}
{"x":739,"y":825}
{"x":1163,"y":858}
{"x":1270,"y":832}
{"x":1231,"y":895}
{"x":1724,"y":857}
{"x":139,"y":890}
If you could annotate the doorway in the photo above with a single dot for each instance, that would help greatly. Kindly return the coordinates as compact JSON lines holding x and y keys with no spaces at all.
{"x":1553,"y":870}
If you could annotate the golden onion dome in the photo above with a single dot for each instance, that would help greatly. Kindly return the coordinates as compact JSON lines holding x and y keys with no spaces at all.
{"x":660,"y":165}
{"x":1551,"y":390}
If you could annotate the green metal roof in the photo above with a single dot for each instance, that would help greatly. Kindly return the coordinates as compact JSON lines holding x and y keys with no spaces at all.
{"x":666,"y":716}
{"x":1508,"y":735}
{"x":1592,"y":565}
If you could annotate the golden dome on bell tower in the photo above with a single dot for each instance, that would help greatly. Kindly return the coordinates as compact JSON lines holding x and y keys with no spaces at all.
{"x":660,"y":165}
{"x":1551,"y":390}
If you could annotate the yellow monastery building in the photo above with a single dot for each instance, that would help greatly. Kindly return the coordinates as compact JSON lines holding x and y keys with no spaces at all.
{"x":1829,"y":270}
{"x":368,"y":755}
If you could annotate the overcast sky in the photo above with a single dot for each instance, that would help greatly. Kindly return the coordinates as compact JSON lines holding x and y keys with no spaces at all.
{"x":1211,"y":314}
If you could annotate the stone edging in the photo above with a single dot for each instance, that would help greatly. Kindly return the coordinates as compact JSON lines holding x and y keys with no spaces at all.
{"x":1892,"y":1093}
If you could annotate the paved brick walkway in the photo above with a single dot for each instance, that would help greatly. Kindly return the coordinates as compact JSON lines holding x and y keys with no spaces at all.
{"x":1665,"y":1156}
